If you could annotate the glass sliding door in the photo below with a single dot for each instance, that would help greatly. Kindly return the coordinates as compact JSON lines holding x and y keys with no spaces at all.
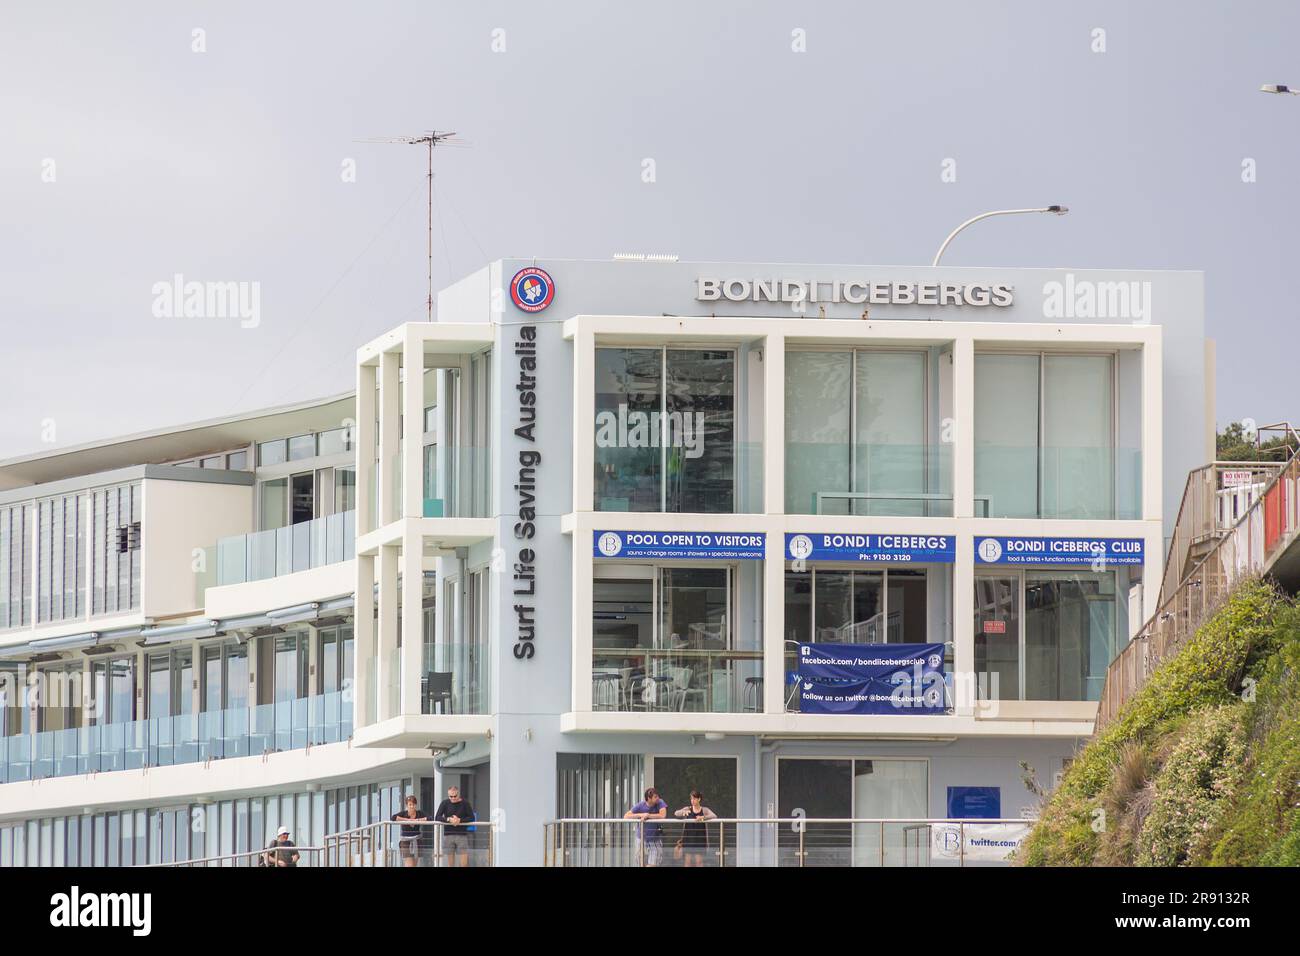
{"x":629,"y":400}
{"x":1078,"y":436}
{"x":1007,"y":435}
{"x":997,"y":636}
{"x":890,"y":452}
{"x":888,"y":790}
{"x":814,"y":789}
{"x":818,"y":398}
{"x":1070,"y":634}
{"x":273,"y":511}
{"x":698,"y":430}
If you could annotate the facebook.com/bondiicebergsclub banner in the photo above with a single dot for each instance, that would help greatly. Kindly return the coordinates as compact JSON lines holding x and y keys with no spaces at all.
{"x":1100,"y":551}
{"x":903,"y":548}
{"x":871,"y":679}
{"x":682,"y":545}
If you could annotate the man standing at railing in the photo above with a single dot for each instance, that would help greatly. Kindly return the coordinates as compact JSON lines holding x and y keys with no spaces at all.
{"x":456,"y":814}
{"x":280,"y":851}
{"x":648,"y":810}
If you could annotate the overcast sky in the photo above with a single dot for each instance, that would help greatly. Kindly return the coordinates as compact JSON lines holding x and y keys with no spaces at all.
{"x":228,"y":165}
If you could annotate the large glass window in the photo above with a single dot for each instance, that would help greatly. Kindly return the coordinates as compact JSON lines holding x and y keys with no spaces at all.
{"x":664,"y":640}
{"x":665,"y":430}
{"x":1045,"y":635}
{"x":828,"y":605}
{"x":1045,"y":435}
{"x":274,"y":509}
{"x":857,"y":431}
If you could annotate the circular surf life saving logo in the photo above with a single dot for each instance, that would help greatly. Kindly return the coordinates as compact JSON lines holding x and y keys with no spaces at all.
{"x":801,"y":547}
{"x":990,"y":550}
{"x":532,"y":289}
{"x":609,"y":544}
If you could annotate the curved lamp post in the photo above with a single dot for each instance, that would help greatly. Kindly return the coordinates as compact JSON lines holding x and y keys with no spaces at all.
{"x":1058,"y":210}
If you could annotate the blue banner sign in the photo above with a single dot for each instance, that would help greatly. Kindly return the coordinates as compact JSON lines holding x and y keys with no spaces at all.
{"x":871,"y":679}
{"x":1016,"y":550}
{"x":902,"y":548}
{"x":702,"y":545}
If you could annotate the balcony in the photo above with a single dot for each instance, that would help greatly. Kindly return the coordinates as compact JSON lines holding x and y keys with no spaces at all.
{"x":280,"y":551}
{"x":169,"y":741}
{"x":454,"y":680}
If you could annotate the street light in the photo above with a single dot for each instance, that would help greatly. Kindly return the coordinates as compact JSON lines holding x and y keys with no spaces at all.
{"x":1278,"y":88}
{"x":1057,"y":210}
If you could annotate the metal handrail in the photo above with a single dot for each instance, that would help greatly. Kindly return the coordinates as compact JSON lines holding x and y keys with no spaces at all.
{"x":1154,"y":642}
{"x":375,"y":840}
{"x":221,"y":860}
{"x":556,"y":850}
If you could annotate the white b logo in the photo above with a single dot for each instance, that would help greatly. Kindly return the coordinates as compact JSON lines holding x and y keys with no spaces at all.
{"x":801,"y":547}
{"x":609,"y":544}
{"x":990,"y":550}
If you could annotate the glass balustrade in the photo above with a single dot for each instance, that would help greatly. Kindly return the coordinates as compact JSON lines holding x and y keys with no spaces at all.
{"x":874,"y":479}
{"x":728,"y":480}
{"x":188,"y":738}
{"x":279,"y":551}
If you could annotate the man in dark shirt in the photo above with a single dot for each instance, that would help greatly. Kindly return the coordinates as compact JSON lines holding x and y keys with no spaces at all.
{"x":408,"y":840}
{"x":456,"y":814}
{"x":280,"y":851}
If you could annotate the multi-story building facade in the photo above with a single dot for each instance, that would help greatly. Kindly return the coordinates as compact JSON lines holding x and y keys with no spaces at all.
{"x":646,"y":501}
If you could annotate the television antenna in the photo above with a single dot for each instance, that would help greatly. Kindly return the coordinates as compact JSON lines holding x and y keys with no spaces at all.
{"x":430,"y":139}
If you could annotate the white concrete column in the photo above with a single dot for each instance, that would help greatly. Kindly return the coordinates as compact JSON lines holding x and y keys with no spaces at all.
{"x":389,"y":436}
{"x":584,"y":420}
{"x":1153,"y":569}
{"x":774,"y":426}
{"x":774,"y":620}
{"x":963,"y":431}
{"x":412,"y":463}
{"x":412,"y":564}
{"x":583,"y":571}
{"x":963,"y":626}
{"x":365,"y":441}
{"x":1153,"y":438}
{"x":387,"y":643}
{"x":363,"y":641}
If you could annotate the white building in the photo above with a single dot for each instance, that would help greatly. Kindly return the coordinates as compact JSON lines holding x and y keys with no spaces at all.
{"x":646,"y":502}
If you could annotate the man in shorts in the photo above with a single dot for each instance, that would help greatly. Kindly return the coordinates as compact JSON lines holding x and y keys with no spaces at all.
{"x":648,"y":811}
{"x":456,"y":814}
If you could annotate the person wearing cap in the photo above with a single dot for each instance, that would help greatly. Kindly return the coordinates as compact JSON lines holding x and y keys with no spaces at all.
{"x":280,"y":851}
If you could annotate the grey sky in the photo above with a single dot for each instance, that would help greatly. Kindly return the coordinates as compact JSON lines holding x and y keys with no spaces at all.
{"x":226,"y":165}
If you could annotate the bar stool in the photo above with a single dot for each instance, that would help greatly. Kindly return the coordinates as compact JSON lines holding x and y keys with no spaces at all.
{"x":753,"y":695}
{"x":606,"y":691}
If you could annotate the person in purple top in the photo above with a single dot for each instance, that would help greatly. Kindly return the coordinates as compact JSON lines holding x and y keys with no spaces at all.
{"x":651,"y":809}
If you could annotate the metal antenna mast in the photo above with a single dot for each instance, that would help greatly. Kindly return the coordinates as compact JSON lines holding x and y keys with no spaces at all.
{"x":430,"y":139}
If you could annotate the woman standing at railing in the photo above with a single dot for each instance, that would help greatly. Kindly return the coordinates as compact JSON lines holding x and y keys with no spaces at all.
{"x":695,"y":834}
